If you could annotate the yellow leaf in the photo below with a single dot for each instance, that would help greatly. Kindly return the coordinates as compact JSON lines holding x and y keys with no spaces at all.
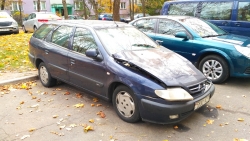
{"x":176,"y":127}
{"x":88,"y":128}
{"x":98,"y":105}
{"x":67,"y":93}
{"x":240,"y":119}
{"x":79,"y":105}
{"x":91,"y":121}
{"x":33,"y":97}
{"x":95,"y":100}
{"x":22,"y":102}
{"x":218,"y":107}
{"x":209,"y":121}
{"x":32,"y":129}
{"x":55,"y":116}
{"x":92,"y":105}
{"x":101,"y":114}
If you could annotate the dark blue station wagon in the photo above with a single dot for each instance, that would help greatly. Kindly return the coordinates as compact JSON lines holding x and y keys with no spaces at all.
{"x":118,"y":63}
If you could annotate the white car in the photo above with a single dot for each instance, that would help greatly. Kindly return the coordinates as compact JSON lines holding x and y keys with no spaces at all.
{"x":36,"y":19}
{"x":7,"y":23}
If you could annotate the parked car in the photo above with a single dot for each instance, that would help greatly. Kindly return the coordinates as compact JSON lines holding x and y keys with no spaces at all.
{"x":231,"y":15}
{"x":137,"y":15}
{"x":108,"y":17}
{"x":74,"y":17}
{"x":36,"y":19}
{"x":7,"y":23}
{"x":117,"y":62}
{"x":215,"y":52}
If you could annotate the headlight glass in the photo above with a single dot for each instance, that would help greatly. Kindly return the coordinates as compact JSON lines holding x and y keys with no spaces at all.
{"x":14,"y":23}
{"x":243,"y":50}
{"x":174,"y":94}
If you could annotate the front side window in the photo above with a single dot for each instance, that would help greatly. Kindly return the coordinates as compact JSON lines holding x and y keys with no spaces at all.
{"x":62,"y":36}
{"x":244,"y":11}
{"x":123,"y":5}
{"x":83,"y":40}
{"x":146,"y":25}
{"x":188,"y":9}
{"x":42,"y":5}
{"x":216,"y":10}
{"x":169,"y":27}
{"x":42,"y":32}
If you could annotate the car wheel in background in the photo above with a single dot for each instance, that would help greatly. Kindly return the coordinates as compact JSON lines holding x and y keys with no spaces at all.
{"x":24,"y":29}
{"x":35,"y":28}
{"x":45,"y":76}
{"x":125,"y":104}
{"x":214,"y":68}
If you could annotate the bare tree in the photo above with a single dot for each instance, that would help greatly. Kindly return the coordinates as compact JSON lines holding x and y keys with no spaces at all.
{"x":116,"y":8}
{"x":2,"y":4}
{"x":65,"y":9}
{"x":20,"y":11}
{"x":94,"y":3}
{"x":38,"y":6}
{"x":85,"y":9}
{"x":143,"y":7}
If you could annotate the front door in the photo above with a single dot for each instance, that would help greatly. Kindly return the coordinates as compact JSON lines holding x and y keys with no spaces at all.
{"x":86,"y":72}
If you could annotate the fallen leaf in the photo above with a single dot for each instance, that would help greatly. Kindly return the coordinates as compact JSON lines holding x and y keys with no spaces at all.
{"x":58,"y":89}
{"x":72,"y":125}
{"x":176,"y":127}
{"x":38,"y":100}
{"x":101,"y":114}
{"x":235,"y":139}
{"x":53,"y":93}
{"x":92,"y":105}
{"x":240,"y":119}
{"x":244,"y":96}
{"x":91,"y":121}
{"x":61,"y":127}
{"x":79,"y":105}
{"x":34,"y":106}
{"x":95,"y":100}
{"x":68,"y":129}
{"x":55,"y":116}
{"x":88,"y":128}
{"x":22,"y":102}
{"x":218,"y":107}
{"x":67,"y":93}
{"x":98,"y":105}
{"x":32,"y":129}
{"x":33,"y":97}
{"x":78,"y":95}
{"x":209,"y":121}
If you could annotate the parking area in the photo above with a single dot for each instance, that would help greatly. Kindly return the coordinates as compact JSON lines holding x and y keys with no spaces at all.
{"x":65,"y":113}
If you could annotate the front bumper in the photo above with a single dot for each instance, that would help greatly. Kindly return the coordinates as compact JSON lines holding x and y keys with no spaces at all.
{"x":9,"y":29}
{"x":153,"y":111}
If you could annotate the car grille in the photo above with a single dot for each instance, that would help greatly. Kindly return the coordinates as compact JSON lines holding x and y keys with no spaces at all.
{"x":247,"y":71}
{"x":197,"y":87}
{"x":5,"y":23}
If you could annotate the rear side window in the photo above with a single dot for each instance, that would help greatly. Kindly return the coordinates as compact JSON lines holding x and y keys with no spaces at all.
{"x":42,"y":32}
{"x":145,"y":25}
{"x":188,"y":9}
{"x":216,"y":10}
{"x":244,"y":11}
{"x":62,"y":36}
{"x":83,"y":40}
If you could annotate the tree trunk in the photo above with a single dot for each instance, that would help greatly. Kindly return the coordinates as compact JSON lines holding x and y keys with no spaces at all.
{"x":20,"y":11}
{"x":116,"y":8}
{"x":85,"y":9}
{"x":130,"y":10}
{"x":38,"y":6}
{"x":65,"y":9}
{"x":143,"y":7}
{"x":133,"y":10}
{"x":2,"y":4}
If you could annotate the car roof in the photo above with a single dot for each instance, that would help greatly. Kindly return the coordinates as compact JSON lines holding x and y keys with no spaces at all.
{"x":172,"y":17}
{"x":91,"y":23}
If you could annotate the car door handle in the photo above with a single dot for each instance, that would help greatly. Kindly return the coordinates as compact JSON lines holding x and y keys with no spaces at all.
{"x":72,"y":62}
{"x":46,"y":52}
{"x":237,"y":24}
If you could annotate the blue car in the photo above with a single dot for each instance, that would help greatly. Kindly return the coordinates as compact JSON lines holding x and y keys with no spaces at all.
{"x":117,"y":62}
{"x":216,"y":53}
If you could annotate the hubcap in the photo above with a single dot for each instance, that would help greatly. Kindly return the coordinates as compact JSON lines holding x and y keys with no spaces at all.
{"x":44,"y":75}
{"x":212,"y":69}
{"x":125,"y":104}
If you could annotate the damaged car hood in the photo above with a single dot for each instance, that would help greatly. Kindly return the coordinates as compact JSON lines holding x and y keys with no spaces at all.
{"x":165,"y":65}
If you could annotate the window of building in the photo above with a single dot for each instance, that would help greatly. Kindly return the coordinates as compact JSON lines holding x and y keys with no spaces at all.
{"x":78,"y":5}
{"x":42,"y":5}
{"x":123,"y":5}
{"x":15,"y":6}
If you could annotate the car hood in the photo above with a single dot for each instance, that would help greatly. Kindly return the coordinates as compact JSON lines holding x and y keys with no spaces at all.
{"x":164,"y":65}
{"x":233,"y":39}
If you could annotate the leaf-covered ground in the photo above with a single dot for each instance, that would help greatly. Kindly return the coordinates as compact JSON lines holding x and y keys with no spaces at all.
{"x":14,"y":50}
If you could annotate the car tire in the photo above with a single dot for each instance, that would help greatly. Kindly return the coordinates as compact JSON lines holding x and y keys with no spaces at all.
{"x":214,"y":68}
{"x":125,"y":104}
{"x":24,"y":29}
{"x":45,"y":76}
{"x":35,"y":28}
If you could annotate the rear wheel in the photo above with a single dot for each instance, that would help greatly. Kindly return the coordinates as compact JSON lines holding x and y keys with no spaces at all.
{"x":214,"y":68}
{"x":125,"y":104}
{"x":45,"y":76}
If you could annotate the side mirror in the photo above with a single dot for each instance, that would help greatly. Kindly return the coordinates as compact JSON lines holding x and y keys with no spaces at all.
{"x":25,"y":19}
{"x":93,"y":53}
{"x":181,"y":35}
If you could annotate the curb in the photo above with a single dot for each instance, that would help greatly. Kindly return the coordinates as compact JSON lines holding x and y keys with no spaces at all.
{"x":18,"y":80}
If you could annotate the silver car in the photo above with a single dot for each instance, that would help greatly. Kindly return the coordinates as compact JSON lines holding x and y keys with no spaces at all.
{"x":7,"y":23}
{"x":36,"y":19}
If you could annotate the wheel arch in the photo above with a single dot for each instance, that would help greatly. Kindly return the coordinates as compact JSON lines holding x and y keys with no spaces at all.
{"x":219,"y":53}
{"x":113,"y":86}
{"x":38,"y":61}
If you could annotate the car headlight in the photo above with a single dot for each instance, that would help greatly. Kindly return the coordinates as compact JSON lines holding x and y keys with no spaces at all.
{"x":14,"y":23}
{"x":243,"y":50}
{"x":174,"y":94}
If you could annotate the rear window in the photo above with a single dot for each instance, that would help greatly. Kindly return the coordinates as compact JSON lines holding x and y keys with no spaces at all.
{"x":44,"y":29}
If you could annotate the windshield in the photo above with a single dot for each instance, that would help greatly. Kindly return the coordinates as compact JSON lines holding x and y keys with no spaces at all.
{"x":203,"y":28}
{"x":124,"y":38}
{"x":4,"y":15}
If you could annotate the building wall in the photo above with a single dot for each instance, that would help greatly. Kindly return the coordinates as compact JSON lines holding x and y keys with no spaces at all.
{"x":28,"y":6}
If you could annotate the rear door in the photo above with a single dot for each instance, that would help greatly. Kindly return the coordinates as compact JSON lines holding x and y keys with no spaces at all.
{"x":56,"y":52}
{"x":219,"y":13}
{"x":86,"y":72}
{"x":241,"y":23}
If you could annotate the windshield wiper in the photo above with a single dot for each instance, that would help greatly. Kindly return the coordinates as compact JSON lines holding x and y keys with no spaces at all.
{"x":210,"y":36}
{"x":143,"y":45}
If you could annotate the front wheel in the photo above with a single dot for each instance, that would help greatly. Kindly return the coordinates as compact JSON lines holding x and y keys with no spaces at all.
{"x":45,"y":76}
{"x":125,"y":104}
{"x":214,"y":68}
{"x":24,"y":29}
